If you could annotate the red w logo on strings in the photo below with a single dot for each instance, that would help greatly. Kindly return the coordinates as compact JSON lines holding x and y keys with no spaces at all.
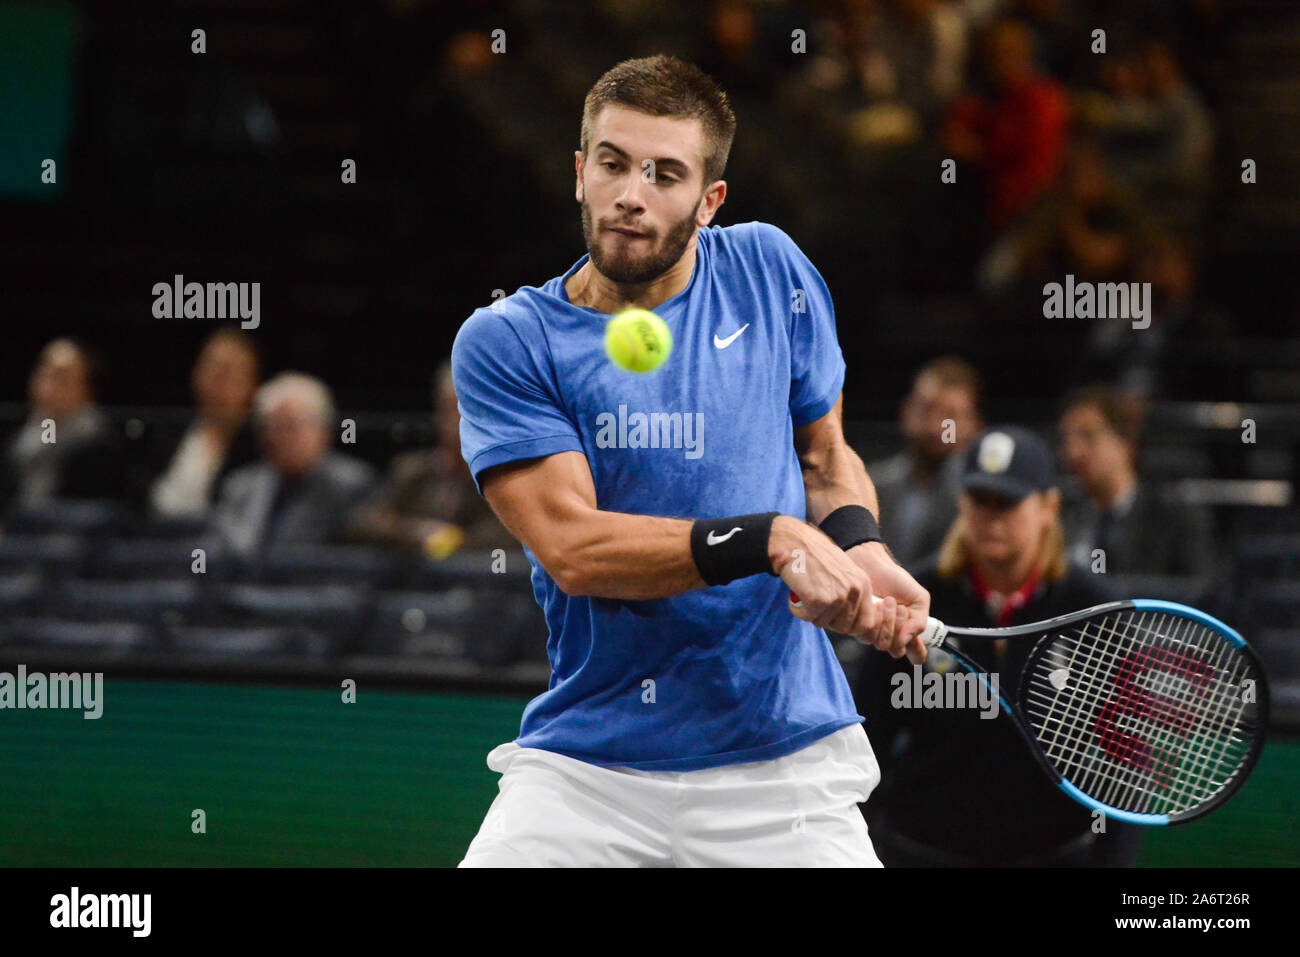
{"x":1154,"y":688}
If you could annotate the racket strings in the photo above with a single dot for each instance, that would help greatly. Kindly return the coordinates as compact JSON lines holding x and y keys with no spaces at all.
{"x":1064,"y":714}
{"x":1198,"y":726}
{"x":1143,"y":711}
{"x":1063,"y":748}
{"x":1147,"y":757}
{"x":1147,"y":768}
{"x":1124,"y":749}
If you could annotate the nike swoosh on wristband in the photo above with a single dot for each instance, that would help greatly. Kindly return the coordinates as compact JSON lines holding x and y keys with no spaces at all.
{"x":711,"y":540}
{"x":723,"y":343}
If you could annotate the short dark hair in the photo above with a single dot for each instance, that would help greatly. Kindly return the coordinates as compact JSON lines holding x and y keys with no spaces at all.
{"x":241,"y":340}
{"x":662,"y":85}
{"x":954,"y":372}
{"x":1123,"y":415}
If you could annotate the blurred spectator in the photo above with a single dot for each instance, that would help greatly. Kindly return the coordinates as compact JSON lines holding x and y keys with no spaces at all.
{"x":301,"y":490}
{"x":881,"y":72}
{"x":1141,"y":362}
{"x":429,"y":501}
{"x":1141,"y":530}
{"x":1057,"y":28}
{"x":918,"y":55}
{"x":1089,"y":226}
{"x":1156,"y":130}
{"x":1014,"y":133}
{"x":959,"y":789}
{"x":219,"y":439}
{"x":66,"y":448}
{"x":917,"y":488}
{"x":732,"y":54}
{"x":1187,"y":139}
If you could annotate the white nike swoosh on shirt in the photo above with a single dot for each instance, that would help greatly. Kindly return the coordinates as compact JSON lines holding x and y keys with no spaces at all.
{"x":710,"y":539}
{"x":723,"y":343}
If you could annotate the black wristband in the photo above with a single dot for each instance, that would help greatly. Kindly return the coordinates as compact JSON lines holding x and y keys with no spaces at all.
{"x":729,"y":548}
{"x":851,"y":525}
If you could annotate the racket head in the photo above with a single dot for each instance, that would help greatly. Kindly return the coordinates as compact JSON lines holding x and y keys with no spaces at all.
{"x":1150,"y":711}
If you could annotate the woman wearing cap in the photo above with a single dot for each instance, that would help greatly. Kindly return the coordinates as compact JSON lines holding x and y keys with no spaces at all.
{"x":959,"y":787}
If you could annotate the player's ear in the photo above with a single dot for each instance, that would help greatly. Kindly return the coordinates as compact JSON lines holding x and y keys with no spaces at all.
{"x":713,"y":197}
{"x":577,"y":168}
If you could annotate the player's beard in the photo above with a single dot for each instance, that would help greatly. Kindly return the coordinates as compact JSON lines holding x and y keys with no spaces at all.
{"x":629,"y":270}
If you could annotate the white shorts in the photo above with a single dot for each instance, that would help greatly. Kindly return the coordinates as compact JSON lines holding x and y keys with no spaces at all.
{"x":800,"y":810}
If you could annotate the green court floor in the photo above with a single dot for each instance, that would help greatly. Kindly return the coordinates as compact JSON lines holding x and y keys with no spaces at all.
{"x":292,"y":776}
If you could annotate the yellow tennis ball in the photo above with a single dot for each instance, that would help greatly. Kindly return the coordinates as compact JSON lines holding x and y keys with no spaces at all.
{"x":637,"y":340}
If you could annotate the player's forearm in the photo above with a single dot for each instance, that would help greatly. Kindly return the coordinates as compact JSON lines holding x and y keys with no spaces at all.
{"x":834,"y":476}
{"x":619,"y":555}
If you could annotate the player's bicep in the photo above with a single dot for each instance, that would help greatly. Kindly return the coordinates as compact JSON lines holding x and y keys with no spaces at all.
{"x":820,"y":434}
{"x":542,"y":501}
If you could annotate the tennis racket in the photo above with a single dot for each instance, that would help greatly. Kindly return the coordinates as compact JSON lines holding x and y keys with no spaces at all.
{"x":1150,"y":711}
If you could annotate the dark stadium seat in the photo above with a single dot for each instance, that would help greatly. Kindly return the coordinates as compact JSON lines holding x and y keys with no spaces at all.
{"x":20,"y":594}
{"x":423,"y":624}
{"x":1279,"y":650}
{"x":324,"y":565}
{"x":165,"y":559}
{"x":68,"y":515}
{"x":54,"y":555}
{"x":1271,"y":605}
{"x":146,"y":602}
{"x":237,"y":642}
{"x":1267,"y":521}
{"x":489,"y":626}
{"x":119,"y":637}
{"x":470,"y":568}
{"x":161,"y":526}
{"x":1268,"y":558}
{"x":335,"y":610}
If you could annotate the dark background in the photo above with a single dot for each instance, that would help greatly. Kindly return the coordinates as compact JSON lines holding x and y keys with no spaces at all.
{"x":226,"y":167}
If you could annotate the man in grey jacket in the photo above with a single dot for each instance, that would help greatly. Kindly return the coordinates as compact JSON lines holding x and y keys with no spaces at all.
{"x":917,"y":488}
{"x":1139,"y":528}
{"x":301,"y":490}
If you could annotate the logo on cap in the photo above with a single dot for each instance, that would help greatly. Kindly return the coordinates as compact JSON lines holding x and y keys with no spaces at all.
{"x":996,"y":450}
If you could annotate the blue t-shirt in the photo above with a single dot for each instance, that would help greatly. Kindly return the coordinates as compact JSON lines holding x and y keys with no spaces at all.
{"x":714,"y":676}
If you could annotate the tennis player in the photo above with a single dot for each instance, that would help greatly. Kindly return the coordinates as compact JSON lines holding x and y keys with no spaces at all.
{"x":696,"y":716}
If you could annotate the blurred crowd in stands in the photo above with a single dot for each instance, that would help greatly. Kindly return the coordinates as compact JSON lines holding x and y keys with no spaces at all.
{"x":1068,"y":161}
{"x":247,"y":529}
{"x":981,"y":518}
{"x":1106,"y":507}
{"x":1075,"y":153}
{"x":261,"y":470}
{"x":256,"y":464}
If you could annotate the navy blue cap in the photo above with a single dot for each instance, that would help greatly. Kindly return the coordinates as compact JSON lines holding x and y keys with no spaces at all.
{"x":1008,"y":461}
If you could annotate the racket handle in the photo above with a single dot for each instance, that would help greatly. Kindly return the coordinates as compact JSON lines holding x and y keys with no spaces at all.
{"x":932,"y":635}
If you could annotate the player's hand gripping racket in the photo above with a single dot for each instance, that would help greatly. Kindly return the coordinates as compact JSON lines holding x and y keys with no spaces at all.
{"x":1150,"y":711}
